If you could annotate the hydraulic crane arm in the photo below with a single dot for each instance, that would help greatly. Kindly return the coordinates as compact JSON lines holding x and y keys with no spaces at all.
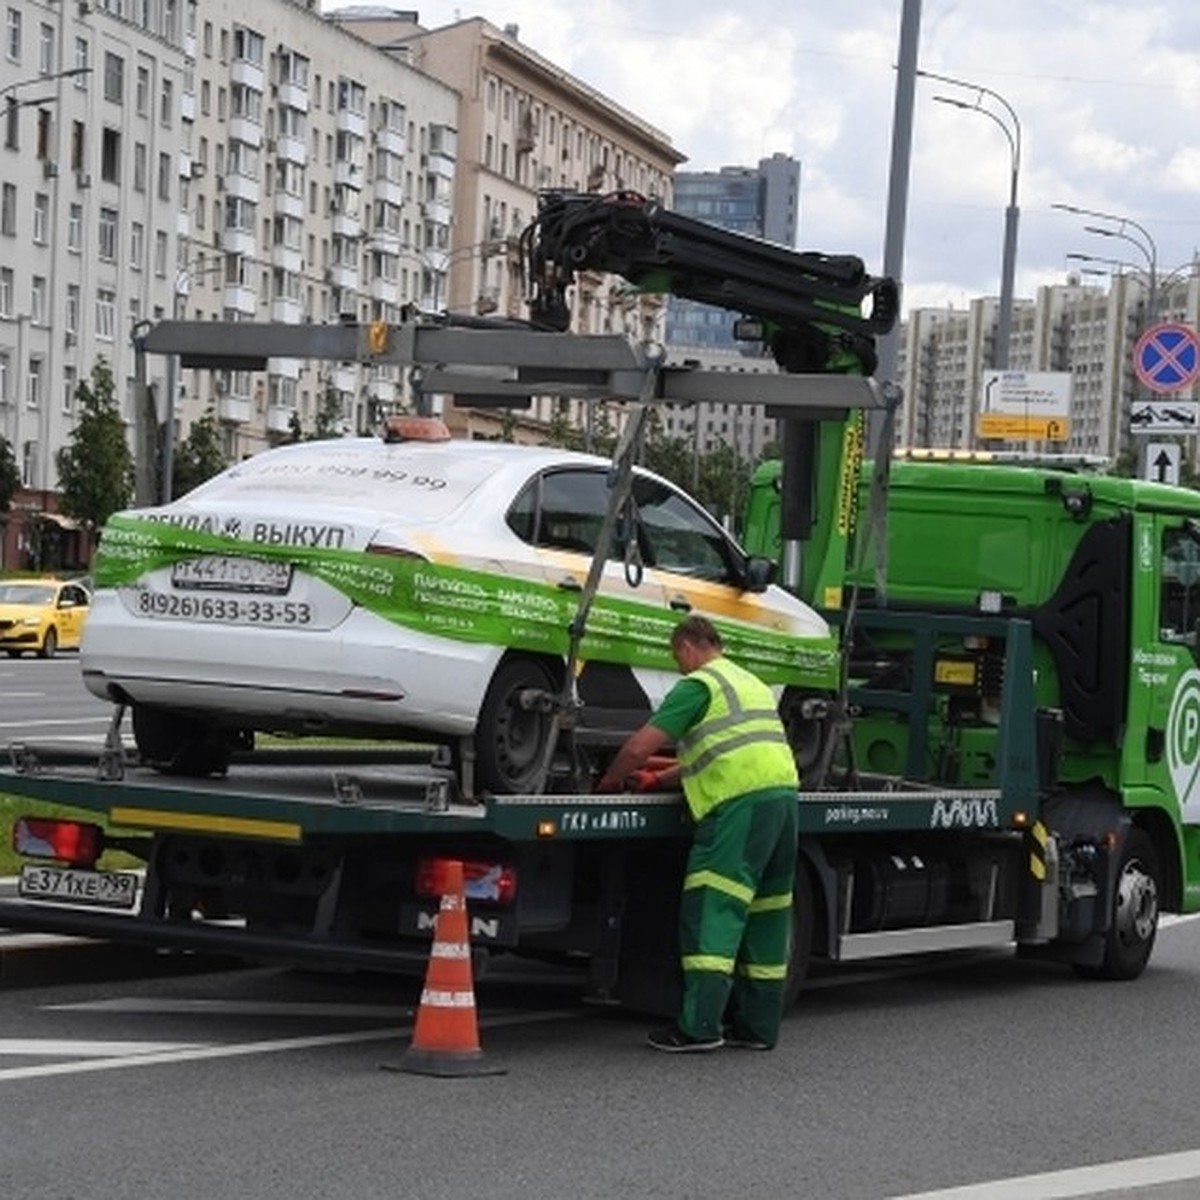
{"x":820,"y":312}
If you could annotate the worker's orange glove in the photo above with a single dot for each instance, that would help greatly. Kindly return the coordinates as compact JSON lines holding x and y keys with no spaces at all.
{"x":646,"y":780}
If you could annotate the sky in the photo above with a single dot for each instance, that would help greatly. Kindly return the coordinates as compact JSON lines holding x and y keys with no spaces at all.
{"x":1106,"y":94}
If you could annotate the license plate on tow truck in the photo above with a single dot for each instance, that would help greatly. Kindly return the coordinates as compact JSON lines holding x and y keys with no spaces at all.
{"x":75,"y":885}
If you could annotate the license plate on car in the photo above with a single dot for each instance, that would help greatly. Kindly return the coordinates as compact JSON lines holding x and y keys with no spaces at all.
{"x":76,"y":885}
{"x":231,"y":573}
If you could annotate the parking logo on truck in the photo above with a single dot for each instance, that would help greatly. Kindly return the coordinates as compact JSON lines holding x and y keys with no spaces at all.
{"x":1183,"y":743}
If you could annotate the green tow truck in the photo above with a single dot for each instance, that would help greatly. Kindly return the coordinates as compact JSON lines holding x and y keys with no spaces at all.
{"x":945,"y":803}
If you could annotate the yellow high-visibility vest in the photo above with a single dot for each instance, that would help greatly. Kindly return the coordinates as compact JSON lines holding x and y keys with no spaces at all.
{"x":739,"y":746}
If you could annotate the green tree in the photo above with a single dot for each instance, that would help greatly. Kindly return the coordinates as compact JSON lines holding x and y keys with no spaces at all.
{"x":328,"y":421}
{"x":10,"y":475}
{"x":95,"y":468}
{"x":199,"y":456}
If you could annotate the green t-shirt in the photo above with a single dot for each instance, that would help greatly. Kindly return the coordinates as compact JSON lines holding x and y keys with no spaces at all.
{"x":682,"y":707}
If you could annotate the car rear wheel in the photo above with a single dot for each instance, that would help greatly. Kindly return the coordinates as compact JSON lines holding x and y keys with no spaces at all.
{"x":178,"y":745}
{"x":511,"y":736}
{"x":49,"y":645}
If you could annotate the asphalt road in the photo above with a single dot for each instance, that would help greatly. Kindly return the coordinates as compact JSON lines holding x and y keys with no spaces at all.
{"x":940,"y":1073}
{"x":44,"y":699}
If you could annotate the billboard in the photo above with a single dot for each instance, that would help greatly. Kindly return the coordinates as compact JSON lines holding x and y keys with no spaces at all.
{"x":1020,"y":406}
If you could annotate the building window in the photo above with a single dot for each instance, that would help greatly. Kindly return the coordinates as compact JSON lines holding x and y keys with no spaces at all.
{"x":137,"y":245}
{"x":167,"y":107}
{"x":29,"y":457}
{"x":139,"y":167}
{"x":110,"y":155}
{"x":13,"y":39}
{"x":5,"y":375}
{"x":164,"y":177}
{"x":71,"y":315}
{"x":46,"y":50}
{"x":141,"y":91}
{"x":6,"y":292}
{"x":70,"y":383}
{"x":33,"y":384}
{"x":108,"y":234}
{"x":8,"y":209}
{"x":81,"y":63}
{"x":106,"y":313}
{"x":75,"y":228}
{"x":160,"y":254}
{"x":41,"y":218}
{"x":37,"y":301}
{"x":114,"y":77}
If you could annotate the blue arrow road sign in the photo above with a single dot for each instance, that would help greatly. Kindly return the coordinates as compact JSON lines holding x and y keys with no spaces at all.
{"x":1167,"y":357}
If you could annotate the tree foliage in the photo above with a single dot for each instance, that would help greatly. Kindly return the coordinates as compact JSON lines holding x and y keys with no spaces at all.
{"x":95,"y":467}
{"x":199,"y":456}
{"x":10,"y":474}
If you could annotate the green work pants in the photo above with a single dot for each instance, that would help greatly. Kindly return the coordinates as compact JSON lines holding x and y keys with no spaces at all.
{"x":735,"y":917}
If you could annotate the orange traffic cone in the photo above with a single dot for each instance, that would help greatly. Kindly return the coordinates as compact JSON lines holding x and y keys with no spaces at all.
{"x":446,"y":1035}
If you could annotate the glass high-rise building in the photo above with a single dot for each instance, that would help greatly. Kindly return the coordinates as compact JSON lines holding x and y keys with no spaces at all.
{"x":762,"y":201}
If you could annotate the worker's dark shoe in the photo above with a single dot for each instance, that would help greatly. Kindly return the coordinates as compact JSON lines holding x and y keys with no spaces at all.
{"x":673,"y":1040}
{"x":738,"y":1041}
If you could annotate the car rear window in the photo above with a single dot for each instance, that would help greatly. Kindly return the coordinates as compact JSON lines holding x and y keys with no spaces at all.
{"x":417,"y":482}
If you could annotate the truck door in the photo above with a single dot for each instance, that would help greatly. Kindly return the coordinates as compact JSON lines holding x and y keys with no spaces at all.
{"x":1166,"y":665}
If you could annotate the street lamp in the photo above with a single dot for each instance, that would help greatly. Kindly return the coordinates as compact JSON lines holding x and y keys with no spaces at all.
{"x":1011,"y":126}
{"x":1140,"y":239}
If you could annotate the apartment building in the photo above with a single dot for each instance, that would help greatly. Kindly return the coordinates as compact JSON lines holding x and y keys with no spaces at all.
{"x":525,"y":124}
{"x":1089,"y":330}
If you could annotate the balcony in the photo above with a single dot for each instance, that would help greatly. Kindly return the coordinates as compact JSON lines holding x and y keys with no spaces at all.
{"x":240,"y":299}
{"x":385,"y":290}
{"x":286,"y":310}
{"x":351,"y":122}
{"x":288,"y":204}
{"x":287,"y":258}
{"x":349,"y":174}
{"x":243,"y":129}
{"x":342,"y":276}
{"x":236,"y":410}
{"x":279,"y":418}
{"x":293,"y":96}
{"x":187,"y":106}
{"x":347,"y":225}
{"x":389,"y":190}
{"x":243,"y":187}
{"x":441,"y":165}
{"x":344,"y":378}
{"x":293,"y":150}
{"x":246,"y":73}
{"x":392,"y":140}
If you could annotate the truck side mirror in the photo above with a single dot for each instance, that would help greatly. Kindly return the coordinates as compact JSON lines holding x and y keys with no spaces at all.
{"x":759,"y":574}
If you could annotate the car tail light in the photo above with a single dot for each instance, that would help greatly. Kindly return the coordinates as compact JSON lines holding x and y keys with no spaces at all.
{"x":496,"y":882}
{"x":76,"y":842}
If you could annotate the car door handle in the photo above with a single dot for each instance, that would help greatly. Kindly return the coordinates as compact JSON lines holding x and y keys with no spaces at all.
{"x":680,"y":604}
{"x":568,"y":583}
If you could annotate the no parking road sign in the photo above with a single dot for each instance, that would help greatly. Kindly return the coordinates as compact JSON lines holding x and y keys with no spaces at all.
{"x":1167,"y":357}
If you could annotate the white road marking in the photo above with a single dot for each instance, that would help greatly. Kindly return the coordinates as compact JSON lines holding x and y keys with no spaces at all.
{"x":234,"y":1008}
{"x":28,"y":722}
{"x":1079,"y":1181}
{"x":58,"y":1047}
{"x":241,"y":1049}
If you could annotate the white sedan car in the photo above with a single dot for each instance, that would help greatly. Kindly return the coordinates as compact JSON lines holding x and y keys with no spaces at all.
{"x":417,"y":587}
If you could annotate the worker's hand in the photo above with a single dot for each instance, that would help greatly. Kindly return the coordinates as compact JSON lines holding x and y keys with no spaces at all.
{"x":645,"y":780}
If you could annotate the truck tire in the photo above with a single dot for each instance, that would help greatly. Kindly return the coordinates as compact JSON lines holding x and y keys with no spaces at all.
{"x":803,"y":924}
{"x":178,"y":745}
{"x":1134,"y":917}
{"x":510,"y":740}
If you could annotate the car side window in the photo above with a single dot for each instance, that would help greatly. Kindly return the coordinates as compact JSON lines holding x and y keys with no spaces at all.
{"x":561,"y":510}
{"x":680,"y":536}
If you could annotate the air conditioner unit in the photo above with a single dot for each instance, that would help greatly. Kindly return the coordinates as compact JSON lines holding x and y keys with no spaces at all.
{"x":49,"y":168}
{"x":83,"y":179}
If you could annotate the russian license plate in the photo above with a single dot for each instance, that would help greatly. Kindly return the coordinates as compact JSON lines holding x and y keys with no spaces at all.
{"x":75,"y":885}
{"x":231,"y":573}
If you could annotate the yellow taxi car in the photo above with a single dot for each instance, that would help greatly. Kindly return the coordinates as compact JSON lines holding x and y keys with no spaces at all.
{"x":42,"y":615}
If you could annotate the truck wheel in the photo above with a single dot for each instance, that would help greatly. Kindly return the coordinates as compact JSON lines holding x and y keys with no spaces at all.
{"x":178,"y":745}
{"x":49,"y":646}
{"x":803,"y":923}
{"x":510,"y":738}
{"x":1135,"y":911}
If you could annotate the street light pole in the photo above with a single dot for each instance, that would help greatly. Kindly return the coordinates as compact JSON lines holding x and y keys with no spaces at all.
{"x":1012,"y":213}
{"x":1145,"y":244}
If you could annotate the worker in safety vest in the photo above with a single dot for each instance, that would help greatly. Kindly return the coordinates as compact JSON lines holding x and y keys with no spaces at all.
{"x":739,"y":777}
